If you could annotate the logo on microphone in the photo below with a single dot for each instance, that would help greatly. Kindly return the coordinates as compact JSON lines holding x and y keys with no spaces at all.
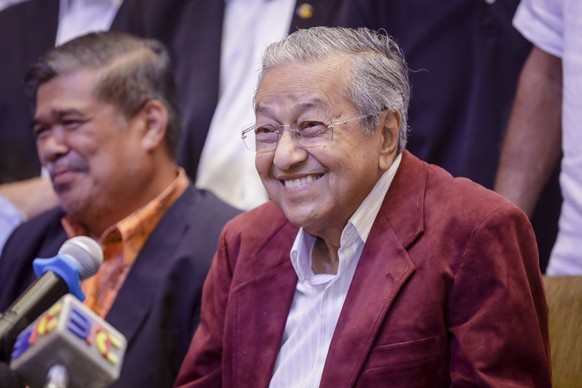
{"x":78,"y":322}
{"x":71,"y":335}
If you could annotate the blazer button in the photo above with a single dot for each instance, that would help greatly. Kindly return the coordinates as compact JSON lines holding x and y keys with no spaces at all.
{"x":305,"y":11}
{"x":490,"y":1}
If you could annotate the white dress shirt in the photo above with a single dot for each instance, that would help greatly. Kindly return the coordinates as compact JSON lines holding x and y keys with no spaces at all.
{"x":319,"y":298}
{"x":226,"y":167}
{"x":7,"y":3}
{"x":78,"y":17}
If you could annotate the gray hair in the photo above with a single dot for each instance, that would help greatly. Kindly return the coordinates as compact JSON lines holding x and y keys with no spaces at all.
{"x":131,"y":72}
{"x":379,"y":74}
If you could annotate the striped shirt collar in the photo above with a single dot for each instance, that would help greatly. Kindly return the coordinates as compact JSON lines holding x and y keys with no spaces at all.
{"x":356,"y":230}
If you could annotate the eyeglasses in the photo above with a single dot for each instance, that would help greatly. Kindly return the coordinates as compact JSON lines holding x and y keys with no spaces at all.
{"x":307,"y":134}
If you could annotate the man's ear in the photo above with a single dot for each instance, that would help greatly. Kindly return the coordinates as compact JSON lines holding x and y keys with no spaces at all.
{"x":155,"y":119}
{"x":390,"y":126}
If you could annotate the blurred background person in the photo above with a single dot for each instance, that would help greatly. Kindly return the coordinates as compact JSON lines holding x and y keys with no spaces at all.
{"x":465,"y":58}
{"x":546,"y":123}
{"x":216,"y":46}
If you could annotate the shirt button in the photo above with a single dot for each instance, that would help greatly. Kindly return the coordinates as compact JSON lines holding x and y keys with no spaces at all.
{"x":305,"y":11}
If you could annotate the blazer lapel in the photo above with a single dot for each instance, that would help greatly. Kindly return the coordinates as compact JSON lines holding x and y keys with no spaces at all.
{"x":137,"y":294}
{"x":382,"y":270}
{"x":262,"y":306}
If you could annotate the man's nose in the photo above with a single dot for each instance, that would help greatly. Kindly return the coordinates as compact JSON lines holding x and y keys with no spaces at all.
{"x":288,"y":151}
{"x":53,"y":145}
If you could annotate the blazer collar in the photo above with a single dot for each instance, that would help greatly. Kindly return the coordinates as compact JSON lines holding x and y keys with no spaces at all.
{"x":384,"y":267}
{"x":137,"y":294}
{"x":403,"y":207}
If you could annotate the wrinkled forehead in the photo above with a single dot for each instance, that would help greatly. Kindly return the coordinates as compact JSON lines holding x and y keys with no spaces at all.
{"x":296,"y":104}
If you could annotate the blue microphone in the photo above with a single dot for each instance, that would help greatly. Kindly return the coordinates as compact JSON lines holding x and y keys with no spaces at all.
{"x":78,"y":258}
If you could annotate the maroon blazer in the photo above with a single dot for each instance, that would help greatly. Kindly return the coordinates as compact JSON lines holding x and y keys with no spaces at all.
{"x":447,"y":292}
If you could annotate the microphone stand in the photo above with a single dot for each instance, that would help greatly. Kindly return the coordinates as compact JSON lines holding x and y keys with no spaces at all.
{"x":57,"y":377}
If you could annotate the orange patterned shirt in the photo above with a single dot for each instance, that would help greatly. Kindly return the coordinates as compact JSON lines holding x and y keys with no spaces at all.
{"x":121,"y":244}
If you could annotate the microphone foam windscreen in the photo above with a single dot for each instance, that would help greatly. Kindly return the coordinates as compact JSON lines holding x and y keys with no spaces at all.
{"x":86,"y":252}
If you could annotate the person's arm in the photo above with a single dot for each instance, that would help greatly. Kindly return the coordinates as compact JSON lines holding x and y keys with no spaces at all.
{"x":22,"y":200}
{"x":497,"y":312}
{"x":31,"y":197}
{"x":532,"y":146}
{"x":10,"y":218}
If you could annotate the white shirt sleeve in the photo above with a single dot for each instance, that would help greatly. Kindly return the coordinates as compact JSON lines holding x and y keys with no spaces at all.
{"x":10,"y":218}
{"x":542,"y":23}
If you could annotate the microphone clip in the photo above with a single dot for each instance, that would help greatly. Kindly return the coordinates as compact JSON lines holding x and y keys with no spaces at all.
{"x":67,"y":270}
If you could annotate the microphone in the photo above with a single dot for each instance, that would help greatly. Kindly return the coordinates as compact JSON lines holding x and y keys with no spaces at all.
{"x":69,"y":346}
{"x":9,"y":378}
{"x":78,"y":258}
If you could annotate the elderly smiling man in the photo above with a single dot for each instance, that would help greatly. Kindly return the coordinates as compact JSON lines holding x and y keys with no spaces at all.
{"x":369,"y":267}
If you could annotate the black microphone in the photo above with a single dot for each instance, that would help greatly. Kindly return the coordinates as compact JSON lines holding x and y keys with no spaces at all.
{"x":9,"y":378}
{"x":78,"y":258}
{"x":69,"y":346}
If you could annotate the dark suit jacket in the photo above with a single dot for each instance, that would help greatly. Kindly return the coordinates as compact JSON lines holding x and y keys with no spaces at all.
{"x":447,"y":292}
{"x":465,"y":58}
{"x":192,"y":29}
{"x":27,"y":31}
{"x":158,"y":306}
